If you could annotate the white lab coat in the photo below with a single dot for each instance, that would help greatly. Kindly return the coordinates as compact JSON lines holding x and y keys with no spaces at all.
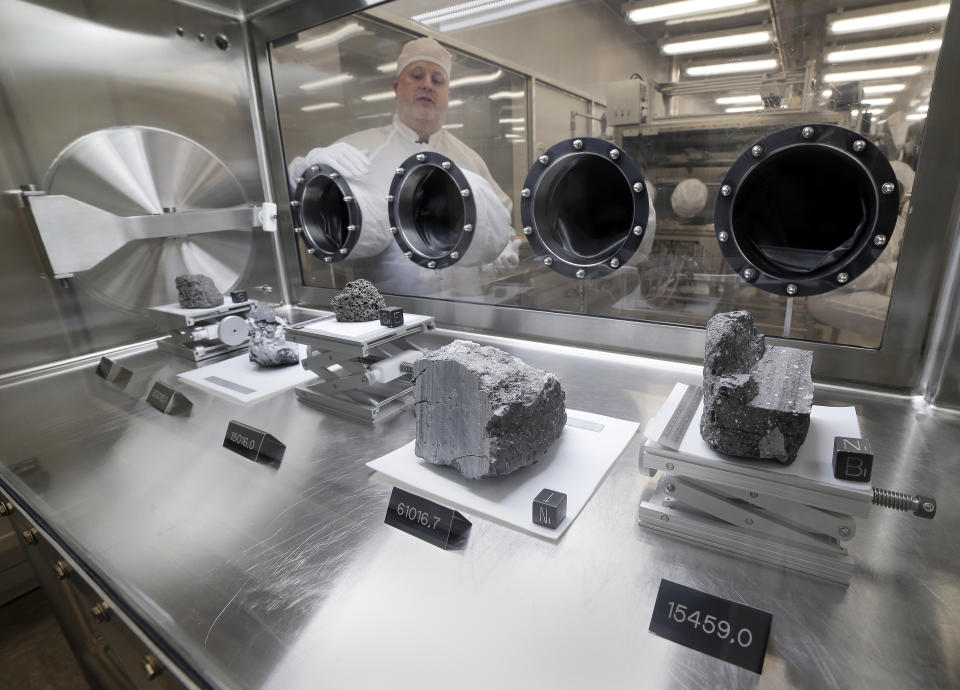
{"x":387,"y":147}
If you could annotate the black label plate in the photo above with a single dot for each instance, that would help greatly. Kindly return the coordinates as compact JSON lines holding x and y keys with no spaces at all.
{"x":424,"y":519}
{"x":253,"y":444}
{"x":719,"y":627}
{"x":167,"y":400}
{"x":115,"y":373}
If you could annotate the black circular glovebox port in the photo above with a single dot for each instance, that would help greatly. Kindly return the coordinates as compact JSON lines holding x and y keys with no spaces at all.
{"x":806,"y":210}
{"x":584,"y":207}
{"x":432,"y":210}
{"x":325,"y":213}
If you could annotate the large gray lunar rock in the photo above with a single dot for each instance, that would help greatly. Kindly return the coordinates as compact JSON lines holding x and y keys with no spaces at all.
{"x":268,"y":347}
{"x":358,"y":301}
{"x":483,"y":411}
{"x":197,"y":291}
{"x":756,"y":400}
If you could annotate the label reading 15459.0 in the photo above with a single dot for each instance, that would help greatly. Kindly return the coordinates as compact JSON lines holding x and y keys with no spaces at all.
{"x":719,"y":627}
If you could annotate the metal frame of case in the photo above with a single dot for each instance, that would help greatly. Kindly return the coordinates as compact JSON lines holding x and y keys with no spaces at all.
{"x":907,"y":361}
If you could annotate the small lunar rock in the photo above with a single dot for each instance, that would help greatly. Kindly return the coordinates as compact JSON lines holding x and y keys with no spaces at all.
{"x":358,"y":301}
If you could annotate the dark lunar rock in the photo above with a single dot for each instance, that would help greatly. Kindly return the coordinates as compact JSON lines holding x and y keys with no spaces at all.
{"x":268,"y":348}
{"x":197,"y":291}
{"x":483,"y":411}
{"x":756,"y":400}
{"x":358,"y":301}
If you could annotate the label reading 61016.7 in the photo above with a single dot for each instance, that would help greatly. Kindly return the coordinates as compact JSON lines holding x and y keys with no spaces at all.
{"x":432,"y":522}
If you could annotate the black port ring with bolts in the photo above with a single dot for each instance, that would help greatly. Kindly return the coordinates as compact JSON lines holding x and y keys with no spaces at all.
{"x":584,"y":207}
{"x":432,"y":210}
{"x":806,"y":210}
{"x":326,"y":215}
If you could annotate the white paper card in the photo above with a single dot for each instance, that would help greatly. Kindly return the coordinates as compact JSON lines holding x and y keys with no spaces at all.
{"x":575,"y":464}
{"x":241,"y":380}
{"x":361,"y":331}
{"x":176,"y":309}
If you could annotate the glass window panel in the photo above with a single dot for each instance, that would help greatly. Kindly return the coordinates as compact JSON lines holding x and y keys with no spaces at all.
{"x":684,"y":96}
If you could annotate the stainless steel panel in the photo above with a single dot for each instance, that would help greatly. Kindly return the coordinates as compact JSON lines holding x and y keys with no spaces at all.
{"x":73,"y":68}
{"x":287,"y":577}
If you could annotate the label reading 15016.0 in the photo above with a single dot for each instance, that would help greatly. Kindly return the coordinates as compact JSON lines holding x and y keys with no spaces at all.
{"x":253,"y":444}
{"x":719,"y":627}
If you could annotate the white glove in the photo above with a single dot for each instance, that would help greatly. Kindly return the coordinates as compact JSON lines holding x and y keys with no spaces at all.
{"x":345,"y":158}
{"x":509,"y":258}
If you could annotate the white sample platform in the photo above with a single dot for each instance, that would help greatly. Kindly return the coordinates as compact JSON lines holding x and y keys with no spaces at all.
{"x":176,"y":316}
{"x":240,"y":380}
{"x":794,"y":516}
{"x":575,"y":464}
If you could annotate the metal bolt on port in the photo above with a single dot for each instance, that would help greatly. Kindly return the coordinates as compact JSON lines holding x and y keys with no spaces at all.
{"x":614,"y":154}
{"x":581,"y":273}
{"x":409,"y":255}
{"x":749,"y":274}
{"x":723,"y":236}
{"x":756,"y":150}
{"x":525,"y":192}
{"x":544,"y":159}
{"x":859,"y":145}
{"x":421,"y":157}
{"x":577,"y":144}
{"x":880,"y":240}
{"x":328,"y":259}
{"x":343,"y":250}
{"x":445,"y":165}
{"x":548,"y":261}
{"x":614,"y":262}
{"x":393,"y":229}
{"x":465,"y":193}
{"x":888,"y":187}
{"x":431,"y":264}
{"x":637,"y":230}
{"x":311,"y":250}
{"x":807,"y":132}
{"x":347,"y":199}
{"x":726,"y":190}
{"x":351,"y":228}
{"x":670,"y":488}
{"x":399,"y":171}
{"x":792,"y":289}
{"x":843,"y":278}
{"x":468,"y":228}
{"x":454,"y":255}
{"x":638,"y":187}
{"x":527,"y":230}
{"x":389,"y":198}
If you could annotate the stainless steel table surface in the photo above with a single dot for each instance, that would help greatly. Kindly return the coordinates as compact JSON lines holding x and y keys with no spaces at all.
{"x":287,"y":577}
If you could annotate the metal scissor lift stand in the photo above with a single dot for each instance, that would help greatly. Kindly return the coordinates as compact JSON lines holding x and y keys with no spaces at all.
{"x":199,"y":335}
{"x":796,"y":516}
{"x":360,"y":365}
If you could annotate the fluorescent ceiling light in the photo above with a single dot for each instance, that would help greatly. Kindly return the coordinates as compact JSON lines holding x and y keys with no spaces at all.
{"x":511,"y":135}
{"x":732,"y":67}
{"x":735,"y":100}
{"x":922,"y":108}
{"x":703,"y":45}
{"x":876,"y":111}
{"x":855,"y":112}
{"x":332,"y":38}
{"x":387,"y":67}
{"x":500,"y":95}
{"x":320,"y":106}
{"x":826,"y":93}
{"x":885,"y":20}
{"x":866,"y":74}
{"x":329,"y":81}
{"x":373,"y":116}
{"x":518,"y":141}
{"x":877,"y":101}
{"x":512,"y":120}
{"x":519,"y":128}
{"x":738,"y":12}
{"x":745,"y":109}
{"x":379,"y":96}
{"x":454,"y":125}
{"x":455,"y":102}
{"x":476,"y":79}
{"x":883,"y":88}
{"x":503,"y":9}
{"x":683,"y":8}
{"x":885,"y":51}
{"x":917,"y":116}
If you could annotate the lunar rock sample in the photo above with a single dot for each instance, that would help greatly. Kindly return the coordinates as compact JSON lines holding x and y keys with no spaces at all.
{"x":756,"y":400}
{"x":358,"y":301}
{"x":483,"y":411}
{"x":268,"y":348}
{"x":197,"y":291}
{"x":689,"y":198}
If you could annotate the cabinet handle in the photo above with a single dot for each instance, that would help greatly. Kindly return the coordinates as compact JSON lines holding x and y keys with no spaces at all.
{"x":62,"y":569}
{"x":101,"y":611}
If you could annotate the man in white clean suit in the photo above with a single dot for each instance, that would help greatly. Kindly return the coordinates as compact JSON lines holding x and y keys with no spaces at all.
{"x":369,"y":158}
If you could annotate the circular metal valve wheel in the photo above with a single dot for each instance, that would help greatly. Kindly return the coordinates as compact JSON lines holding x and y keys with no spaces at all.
{"x":584,"y":207}
{"x":325,"y":213}
{"x":432,"y":210}
{"x":806,"y":210}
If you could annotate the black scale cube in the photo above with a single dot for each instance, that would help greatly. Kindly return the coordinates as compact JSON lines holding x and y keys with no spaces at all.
{"x":238,"y":296}
{"x":549,"y":508}
{"x":852,"y":459}
{"x":391,"y":317}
